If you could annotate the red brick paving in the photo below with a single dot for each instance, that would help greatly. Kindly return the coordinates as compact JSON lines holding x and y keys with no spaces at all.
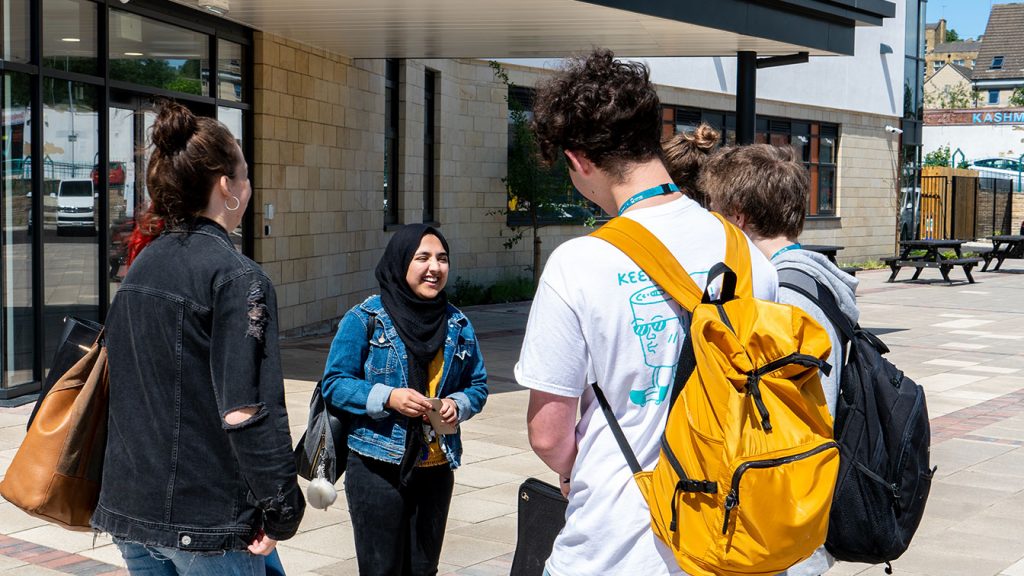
{"x":57,"y":560}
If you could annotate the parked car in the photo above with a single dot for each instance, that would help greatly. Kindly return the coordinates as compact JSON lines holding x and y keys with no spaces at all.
{"x":115,"y":177}
{"x":76,"y":206}
{"x":997,"y":167}
{"x":910,"y":203}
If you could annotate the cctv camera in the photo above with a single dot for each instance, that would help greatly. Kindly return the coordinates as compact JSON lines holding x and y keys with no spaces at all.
{"x":893,"y":130}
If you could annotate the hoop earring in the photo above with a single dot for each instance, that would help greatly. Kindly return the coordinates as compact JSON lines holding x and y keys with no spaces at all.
{"x":237,"y":203}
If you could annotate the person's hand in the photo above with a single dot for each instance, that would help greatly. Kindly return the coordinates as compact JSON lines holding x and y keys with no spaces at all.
{"x":408,"y":402}
{"x":449,"y":411}
{"x":262,"y":545}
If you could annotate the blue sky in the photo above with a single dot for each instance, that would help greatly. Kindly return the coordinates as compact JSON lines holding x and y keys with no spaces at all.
{"x":967,"y":17}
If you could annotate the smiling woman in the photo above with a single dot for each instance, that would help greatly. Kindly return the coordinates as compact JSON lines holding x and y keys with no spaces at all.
{"x":399,"y":359}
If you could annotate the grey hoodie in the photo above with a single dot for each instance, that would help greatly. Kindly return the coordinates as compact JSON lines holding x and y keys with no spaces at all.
{"x":843,"y":287}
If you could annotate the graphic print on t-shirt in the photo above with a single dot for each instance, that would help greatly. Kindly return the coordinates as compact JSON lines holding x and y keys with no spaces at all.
{"x":656,"y":325}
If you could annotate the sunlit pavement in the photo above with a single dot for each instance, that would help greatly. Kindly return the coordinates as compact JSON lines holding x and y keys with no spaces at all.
{"x":962,"y":342}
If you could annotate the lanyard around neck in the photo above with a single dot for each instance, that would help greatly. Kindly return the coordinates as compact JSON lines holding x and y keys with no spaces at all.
{"x":785,"y":249}
{"x":649,"y":193}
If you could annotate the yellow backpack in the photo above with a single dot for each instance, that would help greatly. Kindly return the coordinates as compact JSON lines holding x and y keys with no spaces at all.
{"x":748,"y":463}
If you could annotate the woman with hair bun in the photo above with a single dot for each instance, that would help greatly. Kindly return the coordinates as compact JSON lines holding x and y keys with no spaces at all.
{"x":198,"y":476}
{"x":685,"y":154}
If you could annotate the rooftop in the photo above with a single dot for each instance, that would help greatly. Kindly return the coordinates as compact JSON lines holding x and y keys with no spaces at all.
{"x":958,"y":46}
{"x":1004,"y":39}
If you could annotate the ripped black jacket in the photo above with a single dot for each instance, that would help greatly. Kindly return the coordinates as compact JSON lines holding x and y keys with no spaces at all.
{"x":191,"y":336}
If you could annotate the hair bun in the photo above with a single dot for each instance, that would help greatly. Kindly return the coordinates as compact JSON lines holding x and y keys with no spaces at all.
{"x":174,"y":125}
{"x":705,"y":137}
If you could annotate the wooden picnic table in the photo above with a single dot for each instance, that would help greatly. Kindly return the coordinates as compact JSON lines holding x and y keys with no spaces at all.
{"x":932,"y":258}
{"x":1003,"y":246}
{"x":825,"y":249}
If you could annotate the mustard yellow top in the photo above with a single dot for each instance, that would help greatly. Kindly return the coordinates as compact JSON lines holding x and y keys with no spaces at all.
{"x":435,"y":456}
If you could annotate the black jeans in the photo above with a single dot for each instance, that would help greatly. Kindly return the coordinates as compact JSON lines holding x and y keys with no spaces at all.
{"x":398,"y":531}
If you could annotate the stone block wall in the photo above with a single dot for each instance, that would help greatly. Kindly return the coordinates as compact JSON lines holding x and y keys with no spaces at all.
{"x":319,"y":159}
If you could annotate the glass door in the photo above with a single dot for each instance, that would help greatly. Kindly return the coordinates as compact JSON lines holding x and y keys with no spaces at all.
{"x":131,"y":120}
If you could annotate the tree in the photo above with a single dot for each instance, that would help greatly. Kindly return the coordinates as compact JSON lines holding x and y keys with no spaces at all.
{"x":1017,"y":98}
{"x":957,"y":96}
{"x":937,"y":157}
{"x":952,"y":36}
{"x":537,"y":194}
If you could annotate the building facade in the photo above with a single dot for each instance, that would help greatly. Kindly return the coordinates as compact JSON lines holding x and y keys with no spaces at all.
{"x":342,"y":152}
{"x":938,"y":52}
{"x":999,"y":73}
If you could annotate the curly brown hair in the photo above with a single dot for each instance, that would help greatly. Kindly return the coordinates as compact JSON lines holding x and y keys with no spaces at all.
{"x":764,"y":183}
{"x":686,"y":153}
{"x":605,"y":108}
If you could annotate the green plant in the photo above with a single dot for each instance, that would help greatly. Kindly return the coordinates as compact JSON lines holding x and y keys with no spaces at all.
{"x":466,"y":293}
{"x":534,"y":190}
{"x":952,"y":35}
{"x":870,"y":265}
{"x":1017,"y":98}
{"x":514,"y":289}
{"x":937,"y":157}
{"x":510,"y":289}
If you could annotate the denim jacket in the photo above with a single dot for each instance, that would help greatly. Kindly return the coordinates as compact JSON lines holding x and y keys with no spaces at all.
{"x":361,"y":373}
{"x":191,"y":336}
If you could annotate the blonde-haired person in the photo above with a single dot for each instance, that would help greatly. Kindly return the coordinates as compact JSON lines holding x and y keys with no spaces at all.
{"x":686,"y":153}
{"x":198,"y":476}
{"x":763,"y":189}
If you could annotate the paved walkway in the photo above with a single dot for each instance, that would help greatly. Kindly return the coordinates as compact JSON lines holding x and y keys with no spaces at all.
{"x":962,"y":342}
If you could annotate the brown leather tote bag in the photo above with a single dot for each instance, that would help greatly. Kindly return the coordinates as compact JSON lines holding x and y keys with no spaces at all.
{"x":56,"y":472}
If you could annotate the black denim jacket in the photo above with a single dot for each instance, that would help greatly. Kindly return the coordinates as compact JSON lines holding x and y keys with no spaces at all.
{"x":191,"y":336}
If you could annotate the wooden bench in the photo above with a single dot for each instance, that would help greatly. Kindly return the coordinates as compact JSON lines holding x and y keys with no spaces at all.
{"x":851,"y":270}
{"x":944,"y":266}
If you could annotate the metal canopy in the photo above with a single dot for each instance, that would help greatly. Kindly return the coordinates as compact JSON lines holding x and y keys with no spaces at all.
{"x":553,"y":28}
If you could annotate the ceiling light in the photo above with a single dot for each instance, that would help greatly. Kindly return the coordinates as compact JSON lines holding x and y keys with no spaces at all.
{"x":218,"y":7}
{"x":134,"y":54}
{"x":70,"y":39}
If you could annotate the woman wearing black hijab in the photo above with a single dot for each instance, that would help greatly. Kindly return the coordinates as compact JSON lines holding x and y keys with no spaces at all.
{"x":397,"y":358}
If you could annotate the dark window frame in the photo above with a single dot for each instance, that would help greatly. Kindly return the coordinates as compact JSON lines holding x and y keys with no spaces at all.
{"x":997,"y":63}
{"x":779,"y":132}
{"x":392,"y":85}
{"x":429,"y":146}
{"x":576,"y":210}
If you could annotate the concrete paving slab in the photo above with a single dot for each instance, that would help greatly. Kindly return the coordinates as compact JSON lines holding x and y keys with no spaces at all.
{"x":974,"y":383}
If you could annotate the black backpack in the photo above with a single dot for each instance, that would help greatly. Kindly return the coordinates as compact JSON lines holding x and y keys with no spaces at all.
{"x":881,"y":425}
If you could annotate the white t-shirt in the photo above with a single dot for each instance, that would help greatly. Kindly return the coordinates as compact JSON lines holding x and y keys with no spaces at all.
{"x":597,"y":317}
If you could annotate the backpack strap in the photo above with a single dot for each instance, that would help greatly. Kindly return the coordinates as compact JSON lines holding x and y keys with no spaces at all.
{"x":737,"y":257}
{"x":653,"y":257}
{"x":620,"y":437}
{"x":802,"y":283}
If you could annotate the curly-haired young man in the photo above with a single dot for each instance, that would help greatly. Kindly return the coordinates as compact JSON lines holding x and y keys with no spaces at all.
{"x":597,"y":317}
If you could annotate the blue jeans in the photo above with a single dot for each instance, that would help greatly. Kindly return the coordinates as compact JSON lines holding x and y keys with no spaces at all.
{"x":144,"y":560}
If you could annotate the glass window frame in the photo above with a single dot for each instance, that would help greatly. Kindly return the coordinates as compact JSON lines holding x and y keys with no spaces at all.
{"x":215,"y":29}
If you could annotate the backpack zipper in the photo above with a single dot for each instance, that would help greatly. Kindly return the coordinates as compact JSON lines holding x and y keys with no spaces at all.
{"x":732,"y":500}
{"x":907,"y":431}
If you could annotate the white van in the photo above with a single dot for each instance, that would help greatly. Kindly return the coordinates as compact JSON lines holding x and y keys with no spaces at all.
{"x":76,"y":206}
